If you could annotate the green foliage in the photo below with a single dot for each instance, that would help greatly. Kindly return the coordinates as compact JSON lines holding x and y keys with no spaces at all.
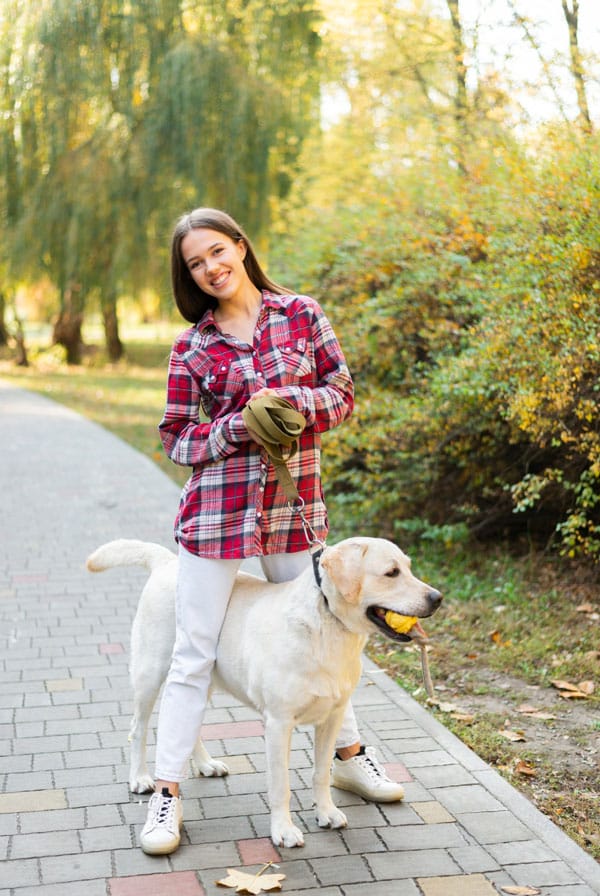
{"x":471,"y":327}
{"x":118,"y":117}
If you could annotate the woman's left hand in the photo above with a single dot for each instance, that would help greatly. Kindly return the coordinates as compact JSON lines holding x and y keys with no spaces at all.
{"x":262,"y":393}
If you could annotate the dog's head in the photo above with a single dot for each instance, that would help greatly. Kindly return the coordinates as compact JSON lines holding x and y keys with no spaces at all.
{"x":364,"y":578}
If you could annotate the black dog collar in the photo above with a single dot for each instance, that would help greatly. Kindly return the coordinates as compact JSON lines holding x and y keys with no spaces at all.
{"x":316,"y":556}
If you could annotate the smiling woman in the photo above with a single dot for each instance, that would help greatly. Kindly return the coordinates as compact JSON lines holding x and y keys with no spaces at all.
{"x":250,"y":338}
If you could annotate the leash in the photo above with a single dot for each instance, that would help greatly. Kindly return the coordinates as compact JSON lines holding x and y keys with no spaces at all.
{"x":278,"y":425}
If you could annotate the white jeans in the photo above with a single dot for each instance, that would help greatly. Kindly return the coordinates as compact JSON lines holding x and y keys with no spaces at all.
{"x":204,"y":587}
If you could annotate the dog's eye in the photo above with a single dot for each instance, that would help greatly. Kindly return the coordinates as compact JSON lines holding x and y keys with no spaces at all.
{"x":393,"y":573}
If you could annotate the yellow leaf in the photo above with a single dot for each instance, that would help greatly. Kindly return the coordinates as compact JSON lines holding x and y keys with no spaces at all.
{"x":251,"y":883}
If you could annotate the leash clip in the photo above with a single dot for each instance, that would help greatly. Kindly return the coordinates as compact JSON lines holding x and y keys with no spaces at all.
{"x":298,"y":506}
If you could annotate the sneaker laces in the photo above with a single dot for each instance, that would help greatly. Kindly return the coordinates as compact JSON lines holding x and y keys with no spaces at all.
{"x":164,"y":808}
{"x":368,"y":760}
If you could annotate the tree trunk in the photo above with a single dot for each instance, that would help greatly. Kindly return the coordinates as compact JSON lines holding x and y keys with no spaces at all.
{"x":22,"y":359}
{"x":460,"y":96}
{"x":114,"y":346}
{"x":4,"y":334}
{"x":67,"y":329}
{"x":572,"y":19}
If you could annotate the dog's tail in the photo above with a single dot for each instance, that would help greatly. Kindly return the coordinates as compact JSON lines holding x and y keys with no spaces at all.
{"x":129,"y":552}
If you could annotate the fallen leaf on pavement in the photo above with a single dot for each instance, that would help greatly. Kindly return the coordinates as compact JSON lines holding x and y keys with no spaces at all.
{"x":466,"y":718}
{"x":512,"y":735}
{"x":251,"y":883}
{"x":571,"y":691}
{"x":521,"y":891}
{"x":524,"y":768}
{"x":586,"y":607}
{"x":534,"y":713}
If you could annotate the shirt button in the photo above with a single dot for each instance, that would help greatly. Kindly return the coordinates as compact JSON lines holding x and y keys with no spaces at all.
{"x":258,"y":515}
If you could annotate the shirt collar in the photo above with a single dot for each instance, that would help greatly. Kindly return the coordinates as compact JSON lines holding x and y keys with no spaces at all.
{"x":269,"y":300}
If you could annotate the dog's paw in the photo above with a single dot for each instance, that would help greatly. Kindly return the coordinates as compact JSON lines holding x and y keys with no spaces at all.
{"x":331,"y":818}
{"x":141,"y":784}
{"x":286,"y":835}
{"x":211,"y":769}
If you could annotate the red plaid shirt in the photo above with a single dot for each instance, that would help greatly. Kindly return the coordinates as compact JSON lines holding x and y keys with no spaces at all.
{"x":232,"y":505}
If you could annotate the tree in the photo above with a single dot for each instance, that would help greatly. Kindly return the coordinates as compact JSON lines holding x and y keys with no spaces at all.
{"x":571,"y":13}
{"x":153,"y":107}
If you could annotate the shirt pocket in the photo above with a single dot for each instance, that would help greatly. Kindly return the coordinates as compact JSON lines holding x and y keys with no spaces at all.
{"x":292,"y":361}
{"x":224,"y":384}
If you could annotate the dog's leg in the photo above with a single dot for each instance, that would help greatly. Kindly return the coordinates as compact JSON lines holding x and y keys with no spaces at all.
{"x":278,"y":735}
{"x":205,"y":764}
{"x":140,"y":780}
{"x":328,"y":815}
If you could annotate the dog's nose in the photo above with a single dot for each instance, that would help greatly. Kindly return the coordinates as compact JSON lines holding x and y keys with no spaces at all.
{"x":435,"y":598}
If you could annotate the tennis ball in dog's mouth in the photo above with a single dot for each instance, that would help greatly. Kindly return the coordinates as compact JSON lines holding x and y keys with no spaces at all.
{"x":399,"y":623}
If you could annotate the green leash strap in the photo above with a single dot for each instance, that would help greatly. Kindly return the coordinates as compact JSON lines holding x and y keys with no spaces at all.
{"x":278,"y":425}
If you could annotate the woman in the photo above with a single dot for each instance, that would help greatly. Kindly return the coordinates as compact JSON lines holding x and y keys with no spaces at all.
{"x":250,"y":337}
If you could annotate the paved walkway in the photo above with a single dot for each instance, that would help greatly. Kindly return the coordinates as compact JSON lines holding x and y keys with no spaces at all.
{"x":68,"y":824}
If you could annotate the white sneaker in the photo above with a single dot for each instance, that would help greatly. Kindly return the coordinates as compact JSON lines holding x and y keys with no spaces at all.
{"x":160,"y":835}
{"x":364,"y":774}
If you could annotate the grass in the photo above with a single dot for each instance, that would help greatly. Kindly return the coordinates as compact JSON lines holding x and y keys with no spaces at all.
{"x":508,"y":624}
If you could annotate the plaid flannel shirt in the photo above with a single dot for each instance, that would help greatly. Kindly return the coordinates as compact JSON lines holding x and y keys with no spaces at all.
{"x":232,"y":505}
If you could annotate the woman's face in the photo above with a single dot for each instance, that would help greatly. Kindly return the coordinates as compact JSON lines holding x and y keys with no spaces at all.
{"x":216,"y":263}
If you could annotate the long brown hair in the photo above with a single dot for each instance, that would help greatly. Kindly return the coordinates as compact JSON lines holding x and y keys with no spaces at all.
{"x":192,"y":301}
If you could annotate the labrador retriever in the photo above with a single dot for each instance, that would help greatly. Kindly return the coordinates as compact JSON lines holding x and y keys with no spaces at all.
{"x":292,"y":651}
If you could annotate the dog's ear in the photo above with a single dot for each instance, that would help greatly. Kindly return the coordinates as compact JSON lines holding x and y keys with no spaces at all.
{"x":343,"y":564}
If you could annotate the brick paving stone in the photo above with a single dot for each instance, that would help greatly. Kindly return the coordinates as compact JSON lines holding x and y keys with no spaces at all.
{"x":232,"y":729}
{"x":382,"y":888}
{"x":20,"y":873}
{"x":476,"y":797}
{"x":412,"y":863}
{"x":205,"y":855}
{"x":92,"y":888}
{"x":544,"y":874}
{"x":362,"y":840}
{"x":58,"y":869}
{"x":226,"y":806}
{"x":257,"y":851}
{"x":443,"y":776}
{"x":341,"y":870}
{"x":427,"y":758}
{"x":493,"y":827}
{"x":572,"y":890}
{"x":473,"y":859}
{"x":135,"y":862}
{"x":32,"y":800}
{"x":467,"y":885}
{"x":520,"y":852}
{"x":50,"y":843}
{"x":64,"y":684}
{"x":55,"y":820}
{"x":432,"y":812}
{"x":425,"y":836}
{"x":177,"y":883}
{"x":105,"y":838}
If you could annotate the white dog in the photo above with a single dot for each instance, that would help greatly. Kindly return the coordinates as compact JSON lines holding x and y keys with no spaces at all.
{"x":292,"y":651}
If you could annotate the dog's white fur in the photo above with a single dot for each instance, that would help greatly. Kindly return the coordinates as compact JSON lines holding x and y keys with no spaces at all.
{"x":292,"y":651}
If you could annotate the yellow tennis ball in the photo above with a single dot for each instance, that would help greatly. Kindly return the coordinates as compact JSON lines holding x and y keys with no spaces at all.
{"x":400,"y":624}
